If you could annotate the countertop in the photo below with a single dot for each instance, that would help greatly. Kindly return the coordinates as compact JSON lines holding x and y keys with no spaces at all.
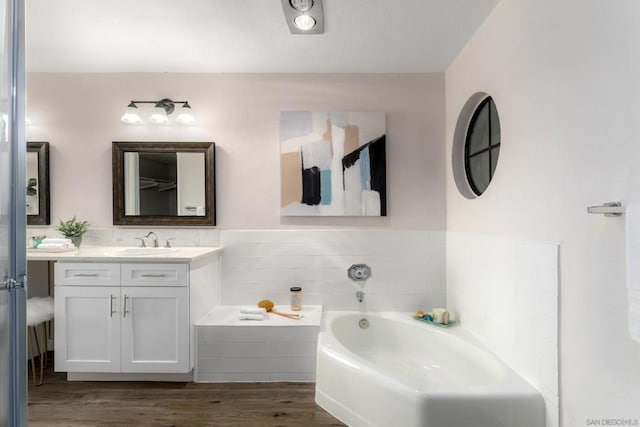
{"x":227,"y":315}
{"x":110,"y":254}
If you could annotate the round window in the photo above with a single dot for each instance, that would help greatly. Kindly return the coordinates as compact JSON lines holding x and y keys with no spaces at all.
{"x":476,"y":145}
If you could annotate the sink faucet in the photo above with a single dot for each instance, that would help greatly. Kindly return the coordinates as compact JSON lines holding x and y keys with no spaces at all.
{"x":360,"y":296}
{"x":155,"y":238}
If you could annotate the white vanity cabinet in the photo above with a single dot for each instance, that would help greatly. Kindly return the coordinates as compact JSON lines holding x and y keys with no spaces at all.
{"x":122,"y":317}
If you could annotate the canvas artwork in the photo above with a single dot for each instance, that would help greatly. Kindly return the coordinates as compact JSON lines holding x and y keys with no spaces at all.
{"x":333,"y":163}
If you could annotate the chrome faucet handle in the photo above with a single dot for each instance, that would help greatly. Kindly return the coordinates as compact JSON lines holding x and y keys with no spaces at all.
{"x":168,"y":245}
{"x":142,"y":243}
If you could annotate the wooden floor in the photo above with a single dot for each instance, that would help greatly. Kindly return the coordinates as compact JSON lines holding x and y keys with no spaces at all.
{"x":61,"y":403}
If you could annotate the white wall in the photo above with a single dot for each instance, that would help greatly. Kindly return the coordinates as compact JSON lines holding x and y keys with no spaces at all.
{"x":79,"y":114}
{"x":559,"y":74}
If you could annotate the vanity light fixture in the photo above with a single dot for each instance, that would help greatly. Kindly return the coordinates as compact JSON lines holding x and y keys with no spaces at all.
{"x":160,"y":112}
{"x":304,"y":16}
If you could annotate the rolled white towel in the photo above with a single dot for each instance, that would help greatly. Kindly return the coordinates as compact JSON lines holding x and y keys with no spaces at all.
{"x":247,"y":316}
{"x":253,"y":310}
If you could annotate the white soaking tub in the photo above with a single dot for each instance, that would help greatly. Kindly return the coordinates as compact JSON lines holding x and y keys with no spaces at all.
{"x":403,"y":372}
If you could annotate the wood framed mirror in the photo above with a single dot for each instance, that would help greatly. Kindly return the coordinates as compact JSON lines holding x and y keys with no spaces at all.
{"x":164,"y":183}
{"x":37,"y":175}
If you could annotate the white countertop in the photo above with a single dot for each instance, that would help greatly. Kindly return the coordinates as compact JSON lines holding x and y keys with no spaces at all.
{"x":227,"y":315}
{"x":110,"y":254}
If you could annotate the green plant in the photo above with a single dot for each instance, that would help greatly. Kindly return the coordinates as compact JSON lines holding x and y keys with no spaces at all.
{"x":32,"y":185}
{"x":73,"y":227}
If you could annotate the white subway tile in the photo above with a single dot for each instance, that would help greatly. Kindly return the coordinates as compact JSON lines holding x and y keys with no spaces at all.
{"x":205,"y":377}
{"x":294,"y":349}
{"x":548,"y":329}
{"x":214,"y":335}
{"x":293,"y":364}
{"x":527,"y":285}
{"x":548,"y":280}
{"x":236,"y":366}
{"x":295,"y":334}
{"x":541,"y":253}
{"x":306,"y":377}
{"x":233,"y":350}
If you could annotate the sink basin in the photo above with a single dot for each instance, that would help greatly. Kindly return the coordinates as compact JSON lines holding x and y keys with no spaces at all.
{"x":143,"y":251}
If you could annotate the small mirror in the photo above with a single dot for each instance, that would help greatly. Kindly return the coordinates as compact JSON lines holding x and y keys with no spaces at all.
{"x":37,"y":175}
{"x":162,"y":183}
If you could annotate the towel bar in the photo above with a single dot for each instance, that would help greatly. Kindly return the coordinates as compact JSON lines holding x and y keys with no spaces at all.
{"x":608,"y":209}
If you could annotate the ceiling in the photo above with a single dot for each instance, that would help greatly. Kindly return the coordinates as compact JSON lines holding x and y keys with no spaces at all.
{"x":200,"y":36}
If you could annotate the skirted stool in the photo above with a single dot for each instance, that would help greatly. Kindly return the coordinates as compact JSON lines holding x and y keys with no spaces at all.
{"x":39,"y":314}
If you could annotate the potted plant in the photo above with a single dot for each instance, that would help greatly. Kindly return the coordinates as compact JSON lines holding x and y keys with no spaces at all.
{"x":73,"y":229}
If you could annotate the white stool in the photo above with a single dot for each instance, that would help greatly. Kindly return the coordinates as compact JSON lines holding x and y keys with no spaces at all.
{"x":39,"y":313}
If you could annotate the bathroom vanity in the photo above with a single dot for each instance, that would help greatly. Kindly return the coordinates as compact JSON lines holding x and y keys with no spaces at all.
{"x":127,"y":313}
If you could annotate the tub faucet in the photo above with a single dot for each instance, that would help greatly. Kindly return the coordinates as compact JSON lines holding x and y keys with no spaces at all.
{"x":155,"y":238}
{"x":360,"y":296}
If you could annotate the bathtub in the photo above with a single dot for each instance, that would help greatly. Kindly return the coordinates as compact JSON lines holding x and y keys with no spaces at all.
{"x":402,"y":372}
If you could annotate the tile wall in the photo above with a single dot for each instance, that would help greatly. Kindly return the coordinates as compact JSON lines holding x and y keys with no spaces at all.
{"x":407,"y":267}
{"x":505,"y":292}
{"x":255,"y":354}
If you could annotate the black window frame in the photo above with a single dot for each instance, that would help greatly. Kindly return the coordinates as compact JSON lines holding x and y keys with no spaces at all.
{"x":486,"y":103}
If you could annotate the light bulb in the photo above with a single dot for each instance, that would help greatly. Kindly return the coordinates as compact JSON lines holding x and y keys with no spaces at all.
{"x":158,"y":115}
{"x":185,"y":116}
{"x":304,"y":22}
{"x":131,"y":115}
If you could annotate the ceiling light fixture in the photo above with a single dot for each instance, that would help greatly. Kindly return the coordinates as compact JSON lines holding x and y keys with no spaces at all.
{"x":160,"y":113}
{"x":304,"y":16}
{"x":301,"y":5}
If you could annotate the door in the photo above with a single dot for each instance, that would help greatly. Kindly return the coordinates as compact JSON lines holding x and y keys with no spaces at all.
{"x":13,"y":368}
{"x":155,"y":329}
{"x":87,"y":329}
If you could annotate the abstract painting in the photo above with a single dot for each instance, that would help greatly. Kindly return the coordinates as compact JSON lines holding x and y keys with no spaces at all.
{"x":333,"y":164}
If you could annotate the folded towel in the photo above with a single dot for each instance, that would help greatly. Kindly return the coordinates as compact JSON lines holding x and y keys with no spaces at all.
{"x":632,"y":231}
{"x":52,"y":240}
{"x":54,"y":246}
{"x":247,"y":316}
{"x":253,"y":310}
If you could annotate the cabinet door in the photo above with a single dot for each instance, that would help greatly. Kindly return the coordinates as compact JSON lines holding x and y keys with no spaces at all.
{"x":87,"y":329}
{"x":155,"y":329}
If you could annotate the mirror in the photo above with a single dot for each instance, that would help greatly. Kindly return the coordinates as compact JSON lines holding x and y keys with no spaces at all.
{"x":37,"y":175}
{"x":163,"y":183}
